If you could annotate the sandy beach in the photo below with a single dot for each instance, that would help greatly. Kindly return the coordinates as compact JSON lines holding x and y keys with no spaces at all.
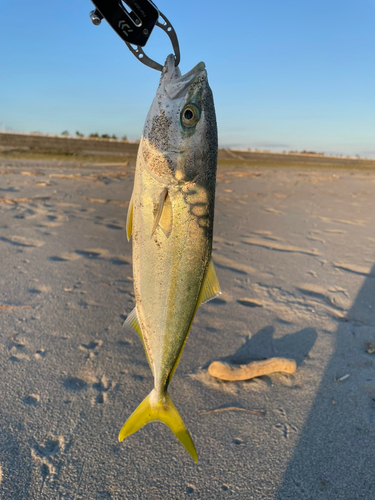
{"x":294,"y":250}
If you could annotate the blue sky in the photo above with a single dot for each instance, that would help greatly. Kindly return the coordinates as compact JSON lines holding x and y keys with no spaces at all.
{"x":286,"y":74}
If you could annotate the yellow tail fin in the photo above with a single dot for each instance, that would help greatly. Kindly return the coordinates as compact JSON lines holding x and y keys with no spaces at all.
{"x":163,"y":409}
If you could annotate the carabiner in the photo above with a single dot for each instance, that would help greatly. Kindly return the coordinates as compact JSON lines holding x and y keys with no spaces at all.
{"x":133,"y":21}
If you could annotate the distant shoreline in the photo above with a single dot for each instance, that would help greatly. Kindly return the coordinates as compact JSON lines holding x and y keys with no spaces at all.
{"x":93,"y":149}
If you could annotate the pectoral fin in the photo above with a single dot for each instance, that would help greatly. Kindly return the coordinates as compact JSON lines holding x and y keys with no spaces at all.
{"x":166,"y":219}
{"x":163,"y":215}
{"x":129,"y":219}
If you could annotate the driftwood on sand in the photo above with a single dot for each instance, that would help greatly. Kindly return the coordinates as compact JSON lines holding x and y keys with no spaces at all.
{"x":231,"y":372}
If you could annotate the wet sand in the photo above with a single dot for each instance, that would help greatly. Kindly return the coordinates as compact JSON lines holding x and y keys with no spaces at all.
{"x":294,"y":251}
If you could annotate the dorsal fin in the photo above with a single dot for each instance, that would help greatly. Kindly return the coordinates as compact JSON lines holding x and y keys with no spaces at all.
{"x":129,"y":219}
{"x":210,"y":287}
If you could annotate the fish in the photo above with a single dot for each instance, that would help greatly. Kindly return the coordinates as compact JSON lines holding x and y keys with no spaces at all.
{"x":170,"y":219}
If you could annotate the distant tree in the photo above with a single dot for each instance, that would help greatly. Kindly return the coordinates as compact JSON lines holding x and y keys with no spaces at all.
{"x":65,"y":132}
{"x":105,"y":136}
{"x":114,"y":137}
{"x":94,"y":136}
{"x":78,"y":134}
{"x":124,"y":138}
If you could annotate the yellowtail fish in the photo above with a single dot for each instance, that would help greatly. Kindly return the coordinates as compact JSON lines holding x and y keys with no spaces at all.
{"x":170,"y":217}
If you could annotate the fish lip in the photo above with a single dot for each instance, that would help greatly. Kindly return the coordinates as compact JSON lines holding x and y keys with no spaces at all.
{"x":194,"y":72}
{"x":173,"y":73}
{"x":175,"y":84}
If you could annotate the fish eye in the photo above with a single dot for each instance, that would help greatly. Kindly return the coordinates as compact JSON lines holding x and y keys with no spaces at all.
{"x":189,"y":115}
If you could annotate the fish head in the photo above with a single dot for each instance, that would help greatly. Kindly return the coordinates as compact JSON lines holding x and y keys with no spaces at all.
{"x":179,"y":142}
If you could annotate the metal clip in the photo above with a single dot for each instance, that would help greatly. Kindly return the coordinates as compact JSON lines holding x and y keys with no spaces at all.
{"x":133,"y":21}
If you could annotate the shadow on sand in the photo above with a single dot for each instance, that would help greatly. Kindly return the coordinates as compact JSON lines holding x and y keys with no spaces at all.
{"x":15,"y":463}
{"x":262,"y":345}
{"x":335,"y":455}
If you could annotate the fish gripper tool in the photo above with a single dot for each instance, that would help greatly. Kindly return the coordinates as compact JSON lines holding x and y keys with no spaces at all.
{"x":133,"y":21}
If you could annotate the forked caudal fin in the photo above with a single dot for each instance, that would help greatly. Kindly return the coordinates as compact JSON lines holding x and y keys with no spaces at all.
{"x":163,"y":409}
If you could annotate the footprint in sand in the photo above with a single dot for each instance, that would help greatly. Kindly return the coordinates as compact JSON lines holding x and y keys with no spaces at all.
{"x":102,"y":386}
{"x":54,"y":219}
{"x":17,"y":351}
{"x":40,"y":354}
{"x":47,"y":455}
{"x":92,"y":349}
{"x":281,"y":412}
{"x":75,"y":384}
{"x":286,"y":430}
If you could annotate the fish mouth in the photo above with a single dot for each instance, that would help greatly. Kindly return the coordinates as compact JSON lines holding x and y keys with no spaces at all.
{"x":176,"y":84}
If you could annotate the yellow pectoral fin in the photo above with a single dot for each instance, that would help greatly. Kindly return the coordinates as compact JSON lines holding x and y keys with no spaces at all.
{"x":166,"y":219}
{"x":129,"y":220}
{"x":154,"y":408}
{"x":133,"y":322}
{"x":159,"y":209}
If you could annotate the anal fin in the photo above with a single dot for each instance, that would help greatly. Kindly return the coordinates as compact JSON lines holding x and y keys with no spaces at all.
{"x":129,"y":219}
{"x":133,"y":322}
